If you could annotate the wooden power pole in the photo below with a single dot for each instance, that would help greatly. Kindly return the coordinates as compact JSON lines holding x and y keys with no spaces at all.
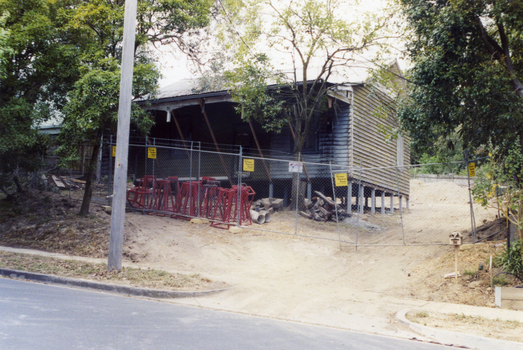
{"x":122,"y":141}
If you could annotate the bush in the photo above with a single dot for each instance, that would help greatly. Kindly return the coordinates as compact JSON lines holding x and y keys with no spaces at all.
{"x":510,"y":259}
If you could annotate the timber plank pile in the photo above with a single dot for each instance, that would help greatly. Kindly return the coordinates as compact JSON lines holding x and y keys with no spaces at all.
{"x":322,"y":208}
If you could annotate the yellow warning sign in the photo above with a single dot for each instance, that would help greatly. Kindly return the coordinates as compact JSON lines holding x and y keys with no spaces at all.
{"x":248,"y":165}
{"x":114,"y":151}
{"x":340,"y":180}
{"x":151,"y":152}
{"x":472,"y":169}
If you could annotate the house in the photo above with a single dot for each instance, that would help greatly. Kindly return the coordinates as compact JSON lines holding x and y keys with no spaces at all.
{"x":354,"y":135}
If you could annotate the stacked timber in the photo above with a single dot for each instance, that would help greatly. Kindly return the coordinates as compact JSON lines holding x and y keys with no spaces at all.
{"x":322,"y":208}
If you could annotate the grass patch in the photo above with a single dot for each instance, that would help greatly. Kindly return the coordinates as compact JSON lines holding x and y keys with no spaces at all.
{"x":494,"y":328}
{"x":147,"y":278}
{"x":500,"y":281}
{"x":469,"y":273}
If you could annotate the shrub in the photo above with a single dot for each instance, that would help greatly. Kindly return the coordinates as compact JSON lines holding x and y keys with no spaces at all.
{"x":510,"y":259}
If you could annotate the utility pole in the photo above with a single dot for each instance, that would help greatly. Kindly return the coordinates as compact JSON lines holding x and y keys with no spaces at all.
{"x":122,"y":141}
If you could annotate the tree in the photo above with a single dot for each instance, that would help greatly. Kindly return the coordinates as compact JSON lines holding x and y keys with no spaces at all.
{"x":499,"y":185}
{"x":97,"y":27}
{"x":37,"y":68}
{"x":311,"y":36}
{"x":312,"y":39}
{"x":467,"y":72}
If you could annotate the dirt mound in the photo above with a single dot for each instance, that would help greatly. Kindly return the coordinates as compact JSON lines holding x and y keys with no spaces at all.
{"x":49,"y":221}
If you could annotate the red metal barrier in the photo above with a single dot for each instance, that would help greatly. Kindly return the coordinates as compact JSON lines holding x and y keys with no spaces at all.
{"x":225,"y":212}
{"x":142,"y":195}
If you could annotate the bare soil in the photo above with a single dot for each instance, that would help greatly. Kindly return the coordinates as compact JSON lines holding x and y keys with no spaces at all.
{"x":286,"y":275}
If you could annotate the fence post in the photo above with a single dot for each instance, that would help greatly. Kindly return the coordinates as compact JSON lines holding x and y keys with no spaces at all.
{"x":472,"y":218}
{"x":400,"y":204}
{"x":297,"y":197}
{"x":190,"y":179}
{"x":335,"y":203}
{"x":239,"y":199}
{"x":361,"y":189}
{"x":357,"y":211}
{"x":349,"y":198}
{"x":199,"y":177}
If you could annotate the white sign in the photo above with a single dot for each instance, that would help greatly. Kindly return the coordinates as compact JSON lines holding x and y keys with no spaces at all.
{"x":295,"y":167}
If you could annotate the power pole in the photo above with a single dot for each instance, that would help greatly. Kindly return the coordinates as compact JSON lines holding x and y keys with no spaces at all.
{"x":122,"y":141}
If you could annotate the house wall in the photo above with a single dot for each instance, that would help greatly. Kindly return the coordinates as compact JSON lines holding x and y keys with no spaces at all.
{"x":373,"y":122}
{"x":332,"y":139}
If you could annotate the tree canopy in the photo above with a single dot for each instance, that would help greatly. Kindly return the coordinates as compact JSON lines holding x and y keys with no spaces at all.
{"x":97,"y":26}
{"x":467,"y":72}
{"x":37,"y":68}
{"x":297,"y":45}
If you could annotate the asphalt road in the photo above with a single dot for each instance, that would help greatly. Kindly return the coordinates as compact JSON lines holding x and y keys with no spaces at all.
{"x":38,"y":316}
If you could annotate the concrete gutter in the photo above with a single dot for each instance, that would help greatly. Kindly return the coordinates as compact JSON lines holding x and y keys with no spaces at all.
{"x":458,"y":339}
{"x":111,"y":288}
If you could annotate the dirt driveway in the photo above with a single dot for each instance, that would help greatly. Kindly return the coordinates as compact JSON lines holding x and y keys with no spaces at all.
{"x":310,"y":280}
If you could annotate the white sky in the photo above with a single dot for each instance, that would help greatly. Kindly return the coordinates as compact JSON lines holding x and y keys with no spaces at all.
{"x":174,"y":65}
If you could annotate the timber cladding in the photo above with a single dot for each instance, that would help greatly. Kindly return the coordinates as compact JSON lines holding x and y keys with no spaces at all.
{"x":373,"y":144}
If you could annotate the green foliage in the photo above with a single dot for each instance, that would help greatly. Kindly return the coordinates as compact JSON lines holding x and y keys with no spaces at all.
{"x":37,"y":68}
{"x":470,"y":273}
{"x":499,"y":184}
{"x":255,"y":100}
{"x":510,"y":259}
{"x":466,"y":74}
{"x":296,"y":35}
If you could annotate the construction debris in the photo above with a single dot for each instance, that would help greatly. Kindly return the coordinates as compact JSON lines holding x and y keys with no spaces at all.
{"x":268,"y":204}
{"x":322,"y":208}
{"x":262,"y":209}
{"x":63,"y":182}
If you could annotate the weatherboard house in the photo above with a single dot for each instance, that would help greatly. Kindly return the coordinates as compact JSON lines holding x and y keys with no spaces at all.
{"x":350,"y":137}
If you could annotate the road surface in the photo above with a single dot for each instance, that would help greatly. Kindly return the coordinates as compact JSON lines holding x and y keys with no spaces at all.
{"x":38,"y":316}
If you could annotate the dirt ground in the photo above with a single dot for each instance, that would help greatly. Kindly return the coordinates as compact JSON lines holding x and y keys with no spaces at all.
{"x":283,"y":275}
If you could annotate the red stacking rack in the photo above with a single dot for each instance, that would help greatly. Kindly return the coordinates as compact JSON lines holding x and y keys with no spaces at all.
{"x":187,"y":199}
{"x":225,"y":211}
{"x":142,"y":195}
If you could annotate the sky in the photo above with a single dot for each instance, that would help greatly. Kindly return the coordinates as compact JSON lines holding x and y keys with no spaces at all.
{"x":174,"y":65}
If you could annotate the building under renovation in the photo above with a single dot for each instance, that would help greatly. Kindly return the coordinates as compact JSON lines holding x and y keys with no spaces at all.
{"x":354,"y":135}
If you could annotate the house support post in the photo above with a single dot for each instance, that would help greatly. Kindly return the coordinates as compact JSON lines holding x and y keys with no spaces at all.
{"x":408,"y":202}
{"x":382,"y":202}
{"x":392,"y":203}
{"x":309,"y":190}
{"x":271,"y":190}
{"x":401,"y":203}
{"x":373,"y":201}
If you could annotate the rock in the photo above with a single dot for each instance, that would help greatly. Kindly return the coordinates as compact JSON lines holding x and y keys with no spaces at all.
{"x":108,"y":209}
{"x":475,"y":284}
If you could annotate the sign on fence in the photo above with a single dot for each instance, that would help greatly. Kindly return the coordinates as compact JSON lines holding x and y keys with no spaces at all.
{"x":472,"y":169}
{"x":151,"y":152}
{"x":295,"y":167}
{"x":340,"y":180}
{"x":114,"y":151}
{"x":248,"y":165}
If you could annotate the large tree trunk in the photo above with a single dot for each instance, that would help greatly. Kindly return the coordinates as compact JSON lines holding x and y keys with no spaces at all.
{"x":91,"y":169}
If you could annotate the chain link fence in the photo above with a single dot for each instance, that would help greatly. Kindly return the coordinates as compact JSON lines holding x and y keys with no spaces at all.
{"x":235,"y":186}
{"x":356,"y":206}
